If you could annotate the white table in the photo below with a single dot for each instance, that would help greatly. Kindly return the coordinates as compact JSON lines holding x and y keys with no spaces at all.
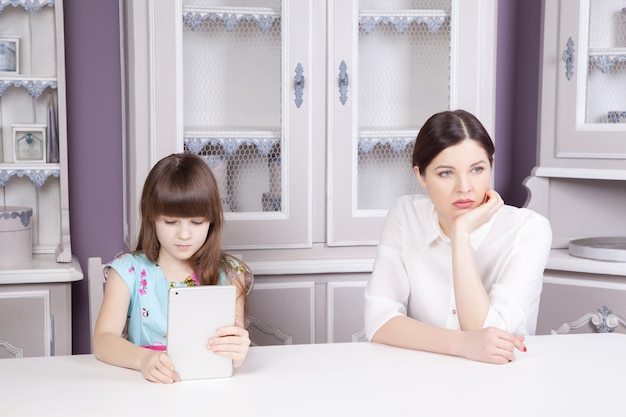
{"x":565,"y":375}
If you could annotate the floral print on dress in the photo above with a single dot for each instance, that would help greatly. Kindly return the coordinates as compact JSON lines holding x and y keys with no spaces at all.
{"x":191,"y":281}
{"x":143,"y":283}
{"x":237,"y":268}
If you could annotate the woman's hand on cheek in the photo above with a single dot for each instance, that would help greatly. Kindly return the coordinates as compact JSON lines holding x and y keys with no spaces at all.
{"x":471,"y":220}
{"x":232,"y":342}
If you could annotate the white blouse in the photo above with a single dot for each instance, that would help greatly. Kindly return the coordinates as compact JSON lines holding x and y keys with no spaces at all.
{"x":413,"y":269}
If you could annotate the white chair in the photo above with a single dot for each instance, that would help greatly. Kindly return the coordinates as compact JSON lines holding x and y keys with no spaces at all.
{"x":95,"y":277}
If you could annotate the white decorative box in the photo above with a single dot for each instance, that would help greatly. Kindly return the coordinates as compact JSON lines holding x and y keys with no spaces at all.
{"x":16,"y":237}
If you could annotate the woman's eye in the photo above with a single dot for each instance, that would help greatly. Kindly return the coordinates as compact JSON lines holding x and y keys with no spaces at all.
{"x":445,"y":173}
{"x":169,"y":221}
{"x":198,"y":222}
{"x":478,"y":170}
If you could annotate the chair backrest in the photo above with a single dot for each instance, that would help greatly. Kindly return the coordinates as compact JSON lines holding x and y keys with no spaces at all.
{"x":96,"y":292}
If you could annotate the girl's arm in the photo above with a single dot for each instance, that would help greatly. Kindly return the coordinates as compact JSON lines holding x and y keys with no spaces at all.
{"x":109,"y":346}
{"x":486,"y":345}
{"x":234,"y":341}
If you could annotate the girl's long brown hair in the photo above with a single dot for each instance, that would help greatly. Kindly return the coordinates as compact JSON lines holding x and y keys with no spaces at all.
{"x":182,"y":185}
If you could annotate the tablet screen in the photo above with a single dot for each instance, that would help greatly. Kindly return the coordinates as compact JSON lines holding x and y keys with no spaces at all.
{"x":193,"y":316}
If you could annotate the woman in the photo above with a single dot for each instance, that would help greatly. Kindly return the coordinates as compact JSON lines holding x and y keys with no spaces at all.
{"x":457,"y":271}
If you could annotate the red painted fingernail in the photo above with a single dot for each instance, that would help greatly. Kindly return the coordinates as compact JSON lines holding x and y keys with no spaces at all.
{"x":525,"y":349}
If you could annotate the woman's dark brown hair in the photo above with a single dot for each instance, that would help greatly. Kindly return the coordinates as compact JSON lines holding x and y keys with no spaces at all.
{"x":446,"y":129}
{"x":182,"y":185}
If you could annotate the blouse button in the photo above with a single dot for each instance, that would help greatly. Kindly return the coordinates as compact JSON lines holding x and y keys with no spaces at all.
{"x":454,"y":311}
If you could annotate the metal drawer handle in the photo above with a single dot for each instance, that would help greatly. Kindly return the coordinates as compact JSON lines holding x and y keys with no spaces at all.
{"x":299,"y":85}
{"x":343,"y":82}
{"x":568,"y":58}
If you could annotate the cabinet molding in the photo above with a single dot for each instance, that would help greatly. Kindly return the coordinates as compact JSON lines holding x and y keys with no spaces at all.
{"x":603,"y":319}
{"x":15,"y":351}
{"x":269,"y":330}
{"x":283,"y":310}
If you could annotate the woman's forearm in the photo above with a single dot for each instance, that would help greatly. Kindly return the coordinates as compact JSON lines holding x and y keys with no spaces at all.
{"x":405,"y":332}
{"x":472,"y":301}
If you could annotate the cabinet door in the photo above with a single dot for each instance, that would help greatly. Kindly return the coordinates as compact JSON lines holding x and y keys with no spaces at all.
{"x":231,"y":83}
{"x":27,"y":309}
{"x":282,"y":312}
{"x":344,"y":311}
{"x":581,"y":303}
{"x":391,"y":66}
{"x":591,"y":80}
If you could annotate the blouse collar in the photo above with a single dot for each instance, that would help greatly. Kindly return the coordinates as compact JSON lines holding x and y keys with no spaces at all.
{"x":434,"y":230}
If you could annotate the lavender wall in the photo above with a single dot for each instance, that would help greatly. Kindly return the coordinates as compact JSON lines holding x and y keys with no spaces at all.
{"x":92,"y":52}
{"x":517,"y":96}
{"x":95,"y":126}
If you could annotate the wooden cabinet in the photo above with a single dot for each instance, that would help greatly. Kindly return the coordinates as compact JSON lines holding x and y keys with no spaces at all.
{"x":36,"y":317}
{"x":306,"y":111}
{"x":32,"y":100}
{"x":580,"y":183}
{"x":390,"y":66}
{"x":575,"y":302}
{"x":313,"y":308}
{"x":34,"y":294}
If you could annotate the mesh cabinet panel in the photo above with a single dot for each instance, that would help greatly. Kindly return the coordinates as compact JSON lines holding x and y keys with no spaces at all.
{"x":232,"y":98}
{"x":606,"y":76}
{"x":404,"y":77}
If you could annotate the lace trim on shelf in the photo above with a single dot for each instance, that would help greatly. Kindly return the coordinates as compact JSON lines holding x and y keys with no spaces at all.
{"x":34,"y":88}
{"x":28,"y":5}
{"x":615,"y":116}
{"x":401,"y":23}
{"x":398,"y":145}
{"x":37,"y":176}
{"x":606,"y":62}
{"x":231,"y":145}
{"x":265,"y":21}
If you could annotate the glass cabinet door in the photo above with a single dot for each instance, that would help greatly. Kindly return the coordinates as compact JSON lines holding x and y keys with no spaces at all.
{"x":591,"y":87}
{"x":246,"y":112}
{"x":393,"y":64}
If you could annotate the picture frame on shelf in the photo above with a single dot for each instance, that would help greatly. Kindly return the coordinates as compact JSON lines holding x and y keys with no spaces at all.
{"x":29,"y":143}
{"x":9,"y":55}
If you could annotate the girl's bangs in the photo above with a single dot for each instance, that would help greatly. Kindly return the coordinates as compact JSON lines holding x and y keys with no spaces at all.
{"x":184,"y":203}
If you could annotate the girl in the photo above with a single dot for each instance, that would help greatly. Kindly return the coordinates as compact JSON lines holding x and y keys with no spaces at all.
{"x":457,"y":271}
{"x":179,"y":245}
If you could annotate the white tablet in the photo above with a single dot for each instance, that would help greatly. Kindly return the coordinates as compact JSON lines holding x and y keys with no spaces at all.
{"x":193,"y":316}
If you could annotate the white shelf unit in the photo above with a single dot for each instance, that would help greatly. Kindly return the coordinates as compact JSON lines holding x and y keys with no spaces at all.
{"x":35,"y":298}
{"x":36,"y":96}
